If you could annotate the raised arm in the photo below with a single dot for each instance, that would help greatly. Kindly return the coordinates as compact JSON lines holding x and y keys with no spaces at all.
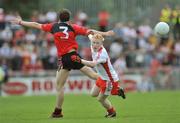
{"x":108,"y":33}
{"x":27,"y":24}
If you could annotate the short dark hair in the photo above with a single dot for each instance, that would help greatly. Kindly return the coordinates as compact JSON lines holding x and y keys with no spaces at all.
{"x":64,"y":15}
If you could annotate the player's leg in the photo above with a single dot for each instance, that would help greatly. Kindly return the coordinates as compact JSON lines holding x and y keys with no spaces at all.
{"x":107,"y":105}
{"x":89,"y":72}
{"x":95,"y":91}
{"x":104,"y":101}
{"x":61,"y":77}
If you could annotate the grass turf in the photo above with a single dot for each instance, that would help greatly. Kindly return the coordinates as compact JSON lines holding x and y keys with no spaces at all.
{"x":153,"y":107}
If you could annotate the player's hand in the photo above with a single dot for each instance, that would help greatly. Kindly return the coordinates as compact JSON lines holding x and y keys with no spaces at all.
{"x":91,"y":31}
{"x":17,"y":20}
{"x":95,"y":31}
{"x":76,"y":58}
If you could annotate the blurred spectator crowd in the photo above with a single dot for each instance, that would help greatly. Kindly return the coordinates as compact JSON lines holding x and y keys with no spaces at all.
{"x":134,"y":46}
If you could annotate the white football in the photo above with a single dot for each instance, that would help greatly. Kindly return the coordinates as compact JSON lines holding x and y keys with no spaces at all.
{"x":161,"y":28}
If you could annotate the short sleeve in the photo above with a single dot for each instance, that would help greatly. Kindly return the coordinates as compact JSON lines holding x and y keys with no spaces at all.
{"x":80,"y":30}
{"x":47,"y":27}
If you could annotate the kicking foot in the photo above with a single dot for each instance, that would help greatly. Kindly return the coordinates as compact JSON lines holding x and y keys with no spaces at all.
{"x":121,"y":93}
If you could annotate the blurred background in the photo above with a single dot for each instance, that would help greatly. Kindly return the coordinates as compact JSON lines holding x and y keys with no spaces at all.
{"x":144,"y":62}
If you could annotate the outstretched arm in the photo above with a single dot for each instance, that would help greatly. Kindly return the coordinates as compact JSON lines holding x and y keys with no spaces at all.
{"x":89,"y":63}
{"x":108,"y":33}
{"x":76,"y":58}
{"x":85,"y":62}
{"x":26,"y":23}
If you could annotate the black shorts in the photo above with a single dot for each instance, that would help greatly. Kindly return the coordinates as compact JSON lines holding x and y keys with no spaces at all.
{"x":67,"y":63}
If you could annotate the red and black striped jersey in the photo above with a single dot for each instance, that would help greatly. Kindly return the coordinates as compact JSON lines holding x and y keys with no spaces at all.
{"x":64,"y":35}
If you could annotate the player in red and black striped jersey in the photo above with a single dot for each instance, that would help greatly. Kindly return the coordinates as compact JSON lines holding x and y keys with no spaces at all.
{"x":64,"y":39}
{"x":64,"y":35}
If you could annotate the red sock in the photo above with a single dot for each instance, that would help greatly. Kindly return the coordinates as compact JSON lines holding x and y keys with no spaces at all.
{"x":111,"y":110}
{"x":114,"y":92}
{"x":115,"y":89}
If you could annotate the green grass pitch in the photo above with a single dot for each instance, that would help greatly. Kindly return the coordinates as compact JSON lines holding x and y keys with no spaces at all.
{"x":153,"y":107}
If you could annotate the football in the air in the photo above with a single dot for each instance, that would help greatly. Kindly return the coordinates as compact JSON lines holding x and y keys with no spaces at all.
{"x":161,"y":28}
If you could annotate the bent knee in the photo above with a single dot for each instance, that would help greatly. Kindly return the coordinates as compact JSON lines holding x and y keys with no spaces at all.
{"x":94,"y":93}
{"x":59,"y":88}
{"x":100,"y":99}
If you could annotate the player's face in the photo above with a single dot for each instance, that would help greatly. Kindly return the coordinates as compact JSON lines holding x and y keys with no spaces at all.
{"x":96,"y":45}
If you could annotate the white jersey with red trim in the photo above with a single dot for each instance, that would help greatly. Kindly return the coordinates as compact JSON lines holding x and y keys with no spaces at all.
{"x":104,"y":67}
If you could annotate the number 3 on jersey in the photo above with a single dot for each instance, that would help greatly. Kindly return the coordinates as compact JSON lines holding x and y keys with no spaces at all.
{"x":65,"y":29}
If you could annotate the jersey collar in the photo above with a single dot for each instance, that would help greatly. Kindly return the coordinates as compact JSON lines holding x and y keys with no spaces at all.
{"x":100,"y":49}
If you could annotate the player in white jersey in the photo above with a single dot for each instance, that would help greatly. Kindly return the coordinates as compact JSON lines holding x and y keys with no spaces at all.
{"x":103,"y":67}
{"x":108,"y":82}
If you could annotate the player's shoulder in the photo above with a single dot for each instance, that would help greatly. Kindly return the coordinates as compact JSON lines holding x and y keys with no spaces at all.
{"x":49,"y":25}
{"x":104,"y":52}
{"x":52,"y":25}
{"x":74,"y":25}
